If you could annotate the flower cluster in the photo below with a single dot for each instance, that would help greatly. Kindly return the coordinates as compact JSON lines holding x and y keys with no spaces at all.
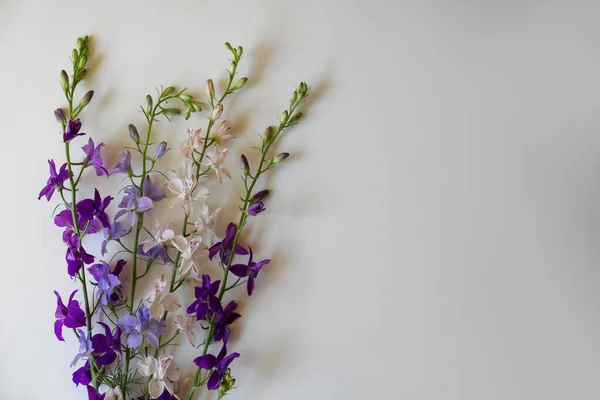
{"x":124,"y":339}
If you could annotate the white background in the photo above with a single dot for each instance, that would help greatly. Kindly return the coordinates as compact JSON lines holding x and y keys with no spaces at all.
{"x":436,"y":233}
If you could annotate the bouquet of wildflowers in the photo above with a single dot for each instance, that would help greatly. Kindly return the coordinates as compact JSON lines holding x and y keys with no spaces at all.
{"x":125,"y":337}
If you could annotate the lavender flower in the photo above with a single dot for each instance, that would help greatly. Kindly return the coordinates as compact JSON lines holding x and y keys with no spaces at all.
{"x":73,"y":128}
{"x":107,"y":345}
{"x":107,"y":282}
{"x":123,"y":166}
{"x":251,"y":271}
{"x":153,"y":253}
{"x":56,"y":180}
{"x":90,"y":209}
{"x":132,"y":203}
{"x":256,"y":208}
{"x":92,"y":156}
{"x":59,"y":114}
{"x":161,"y":149}
{"x":224,"y":318}
{"x":115,"y":231}
{"x":71,"y":315}
{"x":85,"y":347}
{"x":224,"y":246}
{"x":220,"y":363}
{"x":145,"y":326}
{"x":154,"y":192}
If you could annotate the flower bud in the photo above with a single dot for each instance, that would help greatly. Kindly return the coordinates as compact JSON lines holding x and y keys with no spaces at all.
{"x":228,"y":45}
{"x":148,"y":103}
{"x":59,"y":114}
{"x":171,"y":111}
{"x":169,"y":90}
{"x":133,"y":133}
{"x":210,"y":88}
{"x":161,"y":149}
{"x":64,"y":79}
{"x":284,"y":117}
{"x":74,"y":56}
{"x":231,"y":69}
{"x":85,"y":100}
{"x":295,"y":118}
{"x":279,"y":158}
{"x":81,"y":63}
{"x":294,"y":98}
{"x":259,"y":196}
{"x":217,"y":111}
{"x":245,"y":166}
{"x":240,"y":51}
{"x":302,"y":90}
{"x":240,"y":84}
{"x":185,"y":97}
{"x":269,"y":133}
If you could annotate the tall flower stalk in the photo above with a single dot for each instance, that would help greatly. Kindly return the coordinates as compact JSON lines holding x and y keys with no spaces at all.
{"x":126,"y":338}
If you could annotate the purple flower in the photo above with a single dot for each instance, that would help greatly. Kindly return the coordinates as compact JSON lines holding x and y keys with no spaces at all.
{"x":220,"y":363}
{"x":224,"y":318}
{"x":160,"y":151}
{"x":256,"y":208}
{"x":133,"y":203}
{"x":64,"y":219}
{"x":206,"y":300}
{"x":224,"y":246}
{"x":251,"y":271}
{"x":93,"y":394}
{"x":72,"y":132}
{"x":56,"y":180}
{"x":107,"y":282}
{"x":124,"y":165}
{"x":153,"y":253}
{"x":76,"y":255}
{"x":85,"y":347}
{"x":71,"y":315}
{"x":90,"y":209}
{"x":115,"y":231}
{"x":83,"y":376}
{"x":59,"y":114}
{"x":107,"y":345}
{"x":145,"y":326}
{"x":153,"y":192}
{"x":92,"y":156}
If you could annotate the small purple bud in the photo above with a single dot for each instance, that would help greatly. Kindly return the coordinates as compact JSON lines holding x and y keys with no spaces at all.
{"x":59,"y":114}
{"x":133,"y":133}
{"x":256,"y":208}
{"x":161,"y":149}
{"x":245,"y":165}
{"x":86,"y":99}
{"x":259,"y":196}
{"x":279,"y":158}
{"x":269,"y":133}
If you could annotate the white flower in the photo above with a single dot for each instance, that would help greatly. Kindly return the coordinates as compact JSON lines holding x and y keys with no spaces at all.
{"x":191,"y":143}
{"x":215,"y":161}
{"x":113,"y":394}
{"x":161,"y":235}
{"x":163,"y":372}
{"x":186,"y":324}
{"x":185,"y":189}
{"x":159,"y":302}
{"x":221,"y":135}
{"x":205,"y":225}
{"x":187,"y":249}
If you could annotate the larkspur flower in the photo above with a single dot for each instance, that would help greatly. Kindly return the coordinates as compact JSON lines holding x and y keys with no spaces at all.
{"x":145,"y":327}
{"x":224,"y":318}
{"x":85,"y":347}
{"x":133,"y":203}
{"x":185,"y":323}
{"x":220,"y":363}
{"x":250,"y":270}
{"x":161,"y":301}
{"x":59,"y":114}
{"x":205,"y":225}
{"x":161,"y":235}
{"x":90,"y":209}
{"x":224,"y":246}
{"x":107,"y":282}
{"x":206,"y":299}
{"x":76,"y":255}
{"x":93,"y":157}
{"x":152,"y":191}
{"x":116,"y":231}
{"x":71,"y":315}
{"x":256,"y":208}
{"x":153,"y":254}
{"x":83,"y":375}
{"x":64,"y":219}
{"x":106,"y":346}
{"x":215,"y":161}
{"x":56,"y":180}
{"x":222,"y":133}
{"x":184,"y":186}
{"x":73,"y":128}
{"x":192,"y":142}
{"x":163,"y":373}
{"x":123,"y":166}
{"x":113,"y":394}
{"x":187,"y":249}
{"x":93,"y":394}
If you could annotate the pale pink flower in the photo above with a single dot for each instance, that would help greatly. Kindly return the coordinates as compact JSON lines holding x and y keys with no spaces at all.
{"x":187,"y":249}
{"x":161,"y":235}
{"x":185,"y":188}
{"x":222,"y":134}
{"x":185,"y":323}
{"x":205,"y":225}
{"x":164,"y":372}
{"x":215,"y":161}
{"x":191,"y":142}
